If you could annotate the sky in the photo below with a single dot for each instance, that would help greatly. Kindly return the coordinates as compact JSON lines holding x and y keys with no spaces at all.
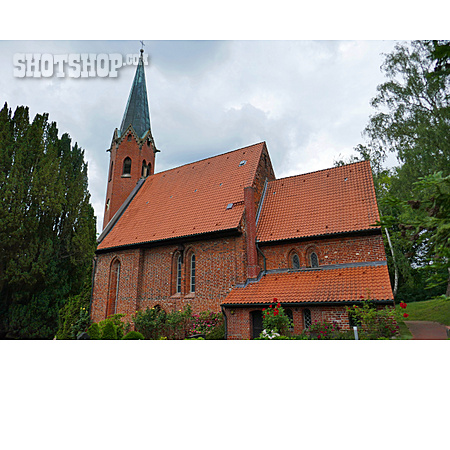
{"x":309,"y":100}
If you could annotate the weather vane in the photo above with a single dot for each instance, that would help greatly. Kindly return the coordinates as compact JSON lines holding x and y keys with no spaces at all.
{"x":142,"y":45}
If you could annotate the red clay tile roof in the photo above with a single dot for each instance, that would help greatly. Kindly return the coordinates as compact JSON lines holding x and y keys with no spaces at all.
{"x":329,"y":201}
{"x":188,"y":200}
{"x":316,"y":285}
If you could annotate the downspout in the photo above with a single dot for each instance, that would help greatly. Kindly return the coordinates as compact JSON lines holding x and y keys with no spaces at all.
{"x":225,"y":322}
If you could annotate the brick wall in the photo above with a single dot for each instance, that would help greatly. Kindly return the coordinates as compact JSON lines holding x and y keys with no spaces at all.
{"x":119,"y":187}
{"x":147,"y":276}
{"x":330,"y":251}
{"x":239,"y":320}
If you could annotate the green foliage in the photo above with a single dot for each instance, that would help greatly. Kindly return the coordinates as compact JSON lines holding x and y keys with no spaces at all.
{"x":133,"y":335}
{"x":275,"y":320}
{"x":218,"y":332}
{"x":94,"y":331}
{"x":74,"y":315}
{"x":117,"y":324}
{"x":47,"y":225}
{"x":324,"y":330}
{"x":151,"y":322}
{"x":109,"y":331}
{"x":375,"y":323}
{"x":204,"y":322}
{"x":155,"y":323}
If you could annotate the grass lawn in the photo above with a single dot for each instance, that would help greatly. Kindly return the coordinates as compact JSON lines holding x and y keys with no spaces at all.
{"x":434,"y":310}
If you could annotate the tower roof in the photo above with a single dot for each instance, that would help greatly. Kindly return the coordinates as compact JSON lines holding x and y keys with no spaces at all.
{"x":137,"y":111}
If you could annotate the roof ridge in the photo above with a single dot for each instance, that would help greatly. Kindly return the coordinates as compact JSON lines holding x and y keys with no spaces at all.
{"x":320,"y":170}
{"x":209,"y":157}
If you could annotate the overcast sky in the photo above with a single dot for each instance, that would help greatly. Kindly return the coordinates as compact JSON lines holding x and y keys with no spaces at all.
{"x":309,"y":100}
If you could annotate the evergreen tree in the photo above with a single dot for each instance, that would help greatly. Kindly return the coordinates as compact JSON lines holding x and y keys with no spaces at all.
{"x":47,"y":225}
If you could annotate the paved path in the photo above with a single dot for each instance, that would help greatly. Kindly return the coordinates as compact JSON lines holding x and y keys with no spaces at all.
{"x":423,"y":329}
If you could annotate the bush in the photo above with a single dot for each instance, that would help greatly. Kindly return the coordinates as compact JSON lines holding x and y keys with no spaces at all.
{"x":324,"y":330}
{"x":133,"y":335}
{"x":109,"y":331}
{"x":374,"y":323}
{"x":150,"y":323}
{"x":275,"y":320}
{"x":217,"y":333}
{"x":94,"y":331}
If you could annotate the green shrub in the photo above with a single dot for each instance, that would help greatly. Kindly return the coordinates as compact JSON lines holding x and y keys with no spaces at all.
{"x":133,"y":335}
{"x":94,"y":331}
{"x":217,"y":333}
{"x":150,"y":323}
{"x":109,"y":331}
{"x":275,"y":320}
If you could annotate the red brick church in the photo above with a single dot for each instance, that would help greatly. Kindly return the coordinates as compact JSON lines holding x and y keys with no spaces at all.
{"x":224,"y":234}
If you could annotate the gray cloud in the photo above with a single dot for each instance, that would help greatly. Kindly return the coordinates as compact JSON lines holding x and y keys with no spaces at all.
{"x":309,"y":100}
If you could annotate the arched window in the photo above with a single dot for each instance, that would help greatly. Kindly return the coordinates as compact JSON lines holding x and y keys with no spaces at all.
{"x":314,"y":259}
{"x":126,"y":166}
{"x":179,"y":261}
{"x":110,"y":171}
{"x":295,"y":261}
{"x":306,"y":318}
{"x":144,"y":172}
{"x":129,"y":138}
{"x":114,"y":278}
{"x":192,"y":273}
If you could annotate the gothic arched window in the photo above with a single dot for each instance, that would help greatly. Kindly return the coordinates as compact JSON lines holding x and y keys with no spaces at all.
{"x":192,"y":273}
{"x":126,"y":166}
{"x":314,"y":260}
{"x":295,"y":261}
{"x":113,"y":291}
{"x":144,"y":172}
{"x":178,"y":289}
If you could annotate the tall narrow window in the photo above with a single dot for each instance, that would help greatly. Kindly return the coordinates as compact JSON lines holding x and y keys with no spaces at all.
{"x":114,"y":278}
{"x":144,"y":172}
{"x":110,"y":171}
{"x":192,"y":273}
{"x":314,"y":260}
{"x":179,"y":274}
{"x":306,"y":318}
{"x":295,"y":261}
{"x":126,"y":166}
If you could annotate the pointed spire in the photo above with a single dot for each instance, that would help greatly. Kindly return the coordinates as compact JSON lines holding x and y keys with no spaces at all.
{"x":137,"y":112}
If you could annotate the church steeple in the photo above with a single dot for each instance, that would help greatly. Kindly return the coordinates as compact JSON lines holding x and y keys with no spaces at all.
{"x":137,"y":112}
{"x":132,"y":148}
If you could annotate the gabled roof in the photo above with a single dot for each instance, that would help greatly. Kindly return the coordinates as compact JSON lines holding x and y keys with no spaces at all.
{"x":137,"y":112}
{"x":317,"y":286}
{"x":330,"y":201}
{"x":202,"y":197}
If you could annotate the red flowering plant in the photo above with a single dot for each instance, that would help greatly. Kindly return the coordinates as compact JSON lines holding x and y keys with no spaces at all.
{"x":204,"y":322}
{"x":275,"y":321}
{"x":324,"y":330}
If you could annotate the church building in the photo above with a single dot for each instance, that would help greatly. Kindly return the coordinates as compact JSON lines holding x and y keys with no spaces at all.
{"x":223,"y":234}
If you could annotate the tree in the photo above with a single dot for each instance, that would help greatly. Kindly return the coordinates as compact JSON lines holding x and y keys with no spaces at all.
{"x":47,"y":224}
{"x":412,"y":119}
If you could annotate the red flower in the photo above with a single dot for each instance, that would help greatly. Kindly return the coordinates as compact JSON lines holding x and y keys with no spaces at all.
{"x":275,"y":300}
{"x":278,"y":305}
{"x":270,"y":306}
{"x":275,"y":313}
{"x":405,"y":315}
{"x":264,"y":309}
{"x":402,"y":305}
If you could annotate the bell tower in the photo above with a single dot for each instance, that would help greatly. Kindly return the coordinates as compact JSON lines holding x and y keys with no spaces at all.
{"x":132,"y":151}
